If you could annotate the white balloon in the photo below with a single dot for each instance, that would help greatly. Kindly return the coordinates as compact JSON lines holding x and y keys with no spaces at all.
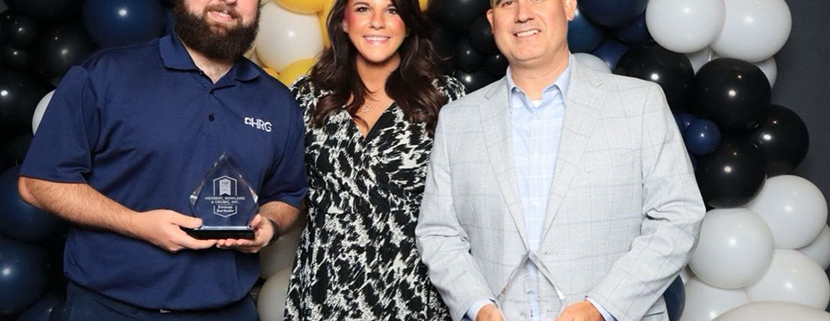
{"x":280,"y":255}
{"x":701,"y":57}
{"x":792,"y":277}
{"x":271,"y":298}
{"x":794,"y":209}
{"x":819,"y":250}
{"x":40,"y":110}
{"x":592,"y":62}
{"x":285,"y":36}
{"x":685,"y":25}
{"x":754,"y":30}
{"x":775,"y":311}
{"x":770,"y":69}
{"x":705,"y":302}
{"x":734,"y":250}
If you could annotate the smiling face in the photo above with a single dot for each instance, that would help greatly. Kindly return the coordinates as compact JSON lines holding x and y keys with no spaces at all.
{"x":531,"y":33}
{"x":374,"y":28}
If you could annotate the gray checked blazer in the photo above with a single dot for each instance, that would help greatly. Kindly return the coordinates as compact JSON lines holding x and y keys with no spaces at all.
{"x":624,"y":211}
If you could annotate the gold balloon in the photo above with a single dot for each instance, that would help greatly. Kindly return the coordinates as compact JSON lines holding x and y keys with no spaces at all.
{"x":423,"y":4}
{"x":295,"y":70}
{"x":302,"y":6}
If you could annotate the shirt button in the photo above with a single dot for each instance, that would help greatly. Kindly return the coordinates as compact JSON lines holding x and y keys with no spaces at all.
{"x":210,"y":117}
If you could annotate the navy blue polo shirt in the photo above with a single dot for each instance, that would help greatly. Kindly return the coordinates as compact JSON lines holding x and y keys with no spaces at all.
{"x":142,"y":125}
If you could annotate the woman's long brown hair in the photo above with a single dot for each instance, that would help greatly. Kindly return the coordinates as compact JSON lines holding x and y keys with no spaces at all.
{"x":410,"y":85}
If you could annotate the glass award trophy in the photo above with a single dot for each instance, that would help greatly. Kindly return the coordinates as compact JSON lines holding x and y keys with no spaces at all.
{"x":225,"y":202}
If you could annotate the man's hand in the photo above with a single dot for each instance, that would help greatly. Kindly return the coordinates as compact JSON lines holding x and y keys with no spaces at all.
{"x":263,"y":231}
{"x":489,"y":312}
{"x":582,"y":311}
{"x":163,"y":228}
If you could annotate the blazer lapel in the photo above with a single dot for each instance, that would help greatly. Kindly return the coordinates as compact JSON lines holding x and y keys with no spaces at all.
{"x":582,"y":108}
{"x":495,"y":120}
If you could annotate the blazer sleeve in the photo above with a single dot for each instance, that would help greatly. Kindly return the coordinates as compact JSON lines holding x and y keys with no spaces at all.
{"x":673,"y":211}
{"x":442,"y":241}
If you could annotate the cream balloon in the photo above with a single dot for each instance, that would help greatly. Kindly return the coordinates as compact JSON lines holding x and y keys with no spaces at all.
{"x":700,"y":58}
{"x":734,"y":249}
{"x":280,"y":255}
{"x":685,"y":26}
{"x":592,"y":62}
{"x":271,"y":298}
{"x":40,"y":110}
{"x":774,"y":311}
{"x":794,"y":209}
{"x":285,"y":36}
{"x":819,"y":249}
{"x":754,"y":30}
{"x":792,"y":277}
{"x":686,"y":274}
{"x":705,"y":302}
{"x":770,"y":69}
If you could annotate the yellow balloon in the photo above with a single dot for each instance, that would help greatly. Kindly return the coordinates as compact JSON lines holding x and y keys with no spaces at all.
{"x":302,"y":6}
{"x":423,"y":4}
{"x":295,"y":70}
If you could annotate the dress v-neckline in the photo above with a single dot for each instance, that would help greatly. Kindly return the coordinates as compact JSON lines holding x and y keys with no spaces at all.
{"x":374,"y":129}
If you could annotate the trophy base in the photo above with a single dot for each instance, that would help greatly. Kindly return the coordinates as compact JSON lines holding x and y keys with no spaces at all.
{"x":221,"y":232}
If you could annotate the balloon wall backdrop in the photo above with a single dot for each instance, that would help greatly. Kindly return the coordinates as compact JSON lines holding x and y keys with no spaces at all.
{"x":763,"y":246}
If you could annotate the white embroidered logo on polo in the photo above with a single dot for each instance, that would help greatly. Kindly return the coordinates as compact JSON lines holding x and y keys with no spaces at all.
{"x":258,"y":124}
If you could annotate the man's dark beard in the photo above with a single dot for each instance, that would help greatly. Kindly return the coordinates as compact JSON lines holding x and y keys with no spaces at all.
{"x":196,"y":32}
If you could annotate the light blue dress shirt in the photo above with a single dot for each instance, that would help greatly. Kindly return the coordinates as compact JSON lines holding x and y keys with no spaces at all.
{"x":536,"y":128}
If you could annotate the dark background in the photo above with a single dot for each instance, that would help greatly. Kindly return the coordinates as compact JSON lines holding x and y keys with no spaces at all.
{"x":803,"y":84}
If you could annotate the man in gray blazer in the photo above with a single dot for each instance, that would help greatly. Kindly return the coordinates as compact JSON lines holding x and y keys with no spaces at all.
{"x":556,"y":193}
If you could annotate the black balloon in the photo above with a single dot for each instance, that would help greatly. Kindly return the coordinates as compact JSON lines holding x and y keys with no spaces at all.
{"x":458,"y":15}
{"x":444,"y":44}
{"x":466,"y":57}
{"x":474,"y":80}
{"x":20,"y":31}
{"x":481,"y":36}
{"x":19,"y":96}
{"x":59,"y":48}
{"x":783,"y":138}
{"x":732,"y":175}
{"x":13,"y":57}
{"x":46,"y":9}
{"x":14,"y":150}
{"x":496,"y":64}
{"x":671,"y":70}
{"x":733,"y":93}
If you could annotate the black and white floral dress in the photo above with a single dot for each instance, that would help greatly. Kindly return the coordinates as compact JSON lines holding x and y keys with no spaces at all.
{"x":357,"y":258}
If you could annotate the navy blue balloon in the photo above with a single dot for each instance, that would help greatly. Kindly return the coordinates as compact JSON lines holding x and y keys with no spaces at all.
{"x":19,"y":220}
{"x":610,"y":51}
{"x":583,"y":35}
{"x":42,"y":309}
{"x":114,"y":23}
{"x":60,"y":313}
{"x":635,"y":33}
{"x":683,"y":121}
{"x":675,"y":297}
{"x":613,"y":13}
{"x":702,"y":137}
{"x":23,"y":277}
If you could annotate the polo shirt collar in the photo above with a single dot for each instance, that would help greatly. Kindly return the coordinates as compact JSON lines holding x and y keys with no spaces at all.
{"x":175,"y":56}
